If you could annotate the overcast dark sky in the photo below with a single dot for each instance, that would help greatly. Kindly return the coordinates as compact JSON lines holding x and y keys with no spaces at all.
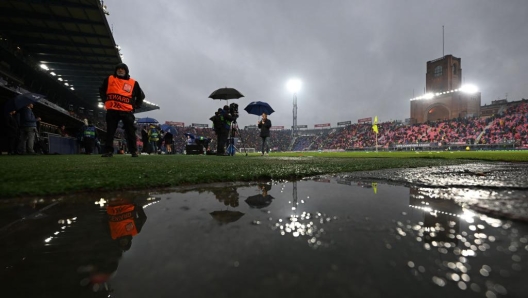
{"x":356,"y":59}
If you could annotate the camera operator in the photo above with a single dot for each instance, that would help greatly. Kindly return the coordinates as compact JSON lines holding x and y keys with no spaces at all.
{"x":222,"y":123}
{"x":264,"y":124}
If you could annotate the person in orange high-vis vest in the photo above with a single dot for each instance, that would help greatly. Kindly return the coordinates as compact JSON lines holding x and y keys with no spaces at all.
{"x":125,"y":221}
{"x":121,"y":95}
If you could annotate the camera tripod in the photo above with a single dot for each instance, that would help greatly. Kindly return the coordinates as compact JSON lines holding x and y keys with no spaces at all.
{"x":233,"y":130}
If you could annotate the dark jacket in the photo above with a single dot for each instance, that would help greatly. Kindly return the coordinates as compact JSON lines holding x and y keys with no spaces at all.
{"x":27,"y":118}
{"x":222,"y":121}
{"x":11,"y":126}
{"x":168,"y":138}
{"x":144,"y":135}
{"x":265,"y":128}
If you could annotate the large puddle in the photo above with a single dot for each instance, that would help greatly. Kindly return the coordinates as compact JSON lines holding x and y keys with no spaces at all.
{"x":326,"y":237}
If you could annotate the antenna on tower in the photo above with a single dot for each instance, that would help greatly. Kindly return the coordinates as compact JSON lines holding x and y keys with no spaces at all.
{"x":442,"y":41}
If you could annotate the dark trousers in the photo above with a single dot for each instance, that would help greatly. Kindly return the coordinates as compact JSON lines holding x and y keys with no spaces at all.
{"x":89,"y":144}
{"x":112,"y":119}
{"x":221,"y":140}
{"x":12,"y":144}
{"x":145,"y":145}
{"x":265,"y":148}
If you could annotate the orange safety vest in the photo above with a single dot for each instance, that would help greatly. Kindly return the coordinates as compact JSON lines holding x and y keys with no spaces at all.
{"x":119,"y":94}
{"x":122,"y":220}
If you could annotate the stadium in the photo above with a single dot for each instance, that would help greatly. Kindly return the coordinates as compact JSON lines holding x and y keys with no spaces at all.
{"x":65,"y":60}
{"x":431,"y":205}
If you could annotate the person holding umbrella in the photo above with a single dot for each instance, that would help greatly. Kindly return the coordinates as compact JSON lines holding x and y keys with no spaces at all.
{"x":121,"y":95}
{"x":264,"y":125}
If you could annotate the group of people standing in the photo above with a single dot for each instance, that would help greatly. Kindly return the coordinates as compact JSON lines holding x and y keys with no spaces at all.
{"x":121,"y":96}
{"x":153,"y":138}
{"x":224,"y":123}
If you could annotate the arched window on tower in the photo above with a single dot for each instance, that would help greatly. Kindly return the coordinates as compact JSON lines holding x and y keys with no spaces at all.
{"x":454,"y":69}
{"x":438,"y":71}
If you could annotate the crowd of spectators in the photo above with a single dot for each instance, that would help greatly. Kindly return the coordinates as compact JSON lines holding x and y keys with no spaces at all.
{"x":510,"y":126}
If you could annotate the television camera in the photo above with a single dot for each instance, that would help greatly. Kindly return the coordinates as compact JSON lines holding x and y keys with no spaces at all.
{"x":233,"y":110}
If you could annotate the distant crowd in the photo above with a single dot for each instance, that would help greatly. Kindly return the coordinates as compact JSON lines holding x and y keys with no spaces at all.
{"x":509,"y":127}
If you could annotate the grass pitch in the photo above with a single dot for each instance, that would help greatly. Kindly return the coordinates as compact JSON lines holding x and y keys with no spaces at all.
{"x":61,"y":174}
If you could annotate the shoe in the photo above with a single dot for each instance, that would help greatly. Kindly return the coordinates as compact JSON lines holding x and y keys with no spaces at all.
{"x":107,"y":155}
{"x":135,"y":154}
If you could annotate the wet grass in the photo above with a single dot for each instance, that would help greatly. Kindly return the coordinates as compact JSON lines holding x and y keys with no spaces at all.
{"x":61,"y":174}
{"x":512,"y":156}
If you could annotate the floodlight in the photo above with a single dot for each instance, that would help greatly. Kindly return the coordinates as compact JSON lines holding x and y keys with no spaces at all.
{"x":428,"y":95}
{"x":294,"y":85}
{"x":469,"y":89}
{"x":44,"y":66}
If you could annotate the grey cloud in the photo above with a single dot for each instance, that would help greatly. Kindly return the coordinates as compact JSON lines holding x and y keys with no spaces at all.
{"x":356,"y":58}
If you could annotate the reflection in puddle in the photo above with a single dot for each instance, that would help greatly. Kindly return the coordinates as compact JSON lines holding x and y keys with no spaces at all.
{"x":311,"y":238}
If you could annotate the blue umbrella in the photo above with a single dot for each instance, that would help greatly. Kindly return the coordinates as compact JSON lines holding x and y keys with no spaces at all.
{"x":188,"y":134}
{"x":147,"y":120}
{"x":258,"y":107}
{"x":171,"y":129}
{"x":21,"y":100}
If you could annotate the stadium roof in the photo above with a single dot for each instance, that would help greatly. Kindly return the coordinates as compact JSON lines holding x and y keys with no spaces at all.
{"x":70,"y":39}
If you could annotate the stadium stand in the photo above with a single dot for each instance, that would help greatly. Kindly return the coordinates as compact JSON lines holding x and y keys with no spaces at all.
{"x":62,"y":50}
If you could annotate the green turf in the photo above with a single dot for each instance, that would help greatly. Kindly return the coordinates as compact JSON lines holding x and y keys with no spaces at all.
{"x":61,"y":174}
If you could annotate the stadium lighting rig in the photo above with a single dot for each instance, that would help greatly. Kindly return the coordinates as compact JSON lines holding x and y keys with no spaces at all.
{"x":294,"y":85}
{"x":469,"y":89}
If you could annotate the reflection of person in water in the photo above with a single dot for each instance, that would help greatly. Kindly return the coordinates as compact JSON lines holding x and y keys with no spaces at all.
{"x":125,"y":220}
{"x":265,"y":187}
{"x":261,"y":200}
{"x":229,"y":196}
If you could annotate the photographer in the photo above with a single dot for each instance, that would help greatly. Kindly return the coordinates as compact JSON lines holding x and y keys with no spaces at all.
{"x":222,"y":123}
{"x":264,"y":124}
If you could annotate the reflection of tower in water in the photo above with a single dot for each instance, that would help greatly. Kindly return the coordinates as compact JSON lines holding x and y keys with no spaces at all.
{"x":441,"y":216}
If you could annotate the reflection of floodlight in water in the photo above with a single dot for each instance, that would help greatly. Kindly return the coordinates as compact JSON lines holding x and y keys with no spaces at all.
{"x":469,"y":89}
{"x":294,"y":85}
{"x":468,"y":216}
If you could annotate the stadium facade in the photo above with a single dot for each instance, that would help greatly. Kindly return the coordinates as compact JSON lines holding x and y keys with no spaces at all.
{"x":445,"y":98}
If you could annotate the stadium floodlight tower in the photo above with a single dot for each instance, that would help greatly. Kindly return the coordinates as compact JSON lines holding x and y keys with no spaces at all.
{"x":294,"y":85}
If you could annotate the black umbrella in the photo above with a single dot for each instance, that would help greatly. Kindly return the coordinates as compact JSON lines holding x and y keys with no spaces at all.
{"x":226,"y":216}
{"x":226,"y":93}
{"x":259,"y":201}
{"x":21,"y":101}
